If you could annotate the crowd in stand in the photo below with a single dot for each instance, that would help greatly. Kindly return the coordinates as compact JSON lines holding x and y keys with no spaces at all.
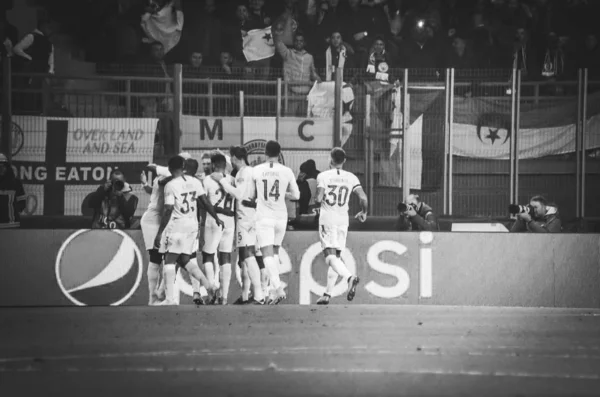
{"x":543,"y":38}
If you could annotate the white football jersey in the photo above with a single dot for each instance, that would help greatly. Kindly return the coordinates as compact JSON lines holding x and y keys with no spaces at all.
{"x":182,"y":193}
{"x":222,"y":201}
{"x":244,"y":180}
{"x":157,"y":197}
{"x":272,"y":181}
{"x":338,"y":185}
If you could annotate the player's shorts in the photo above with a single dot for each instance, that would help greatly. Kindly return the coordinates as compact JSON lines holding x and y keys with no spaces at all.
{"x":150,"y":223}
{"x":270,"y":231}
{"x":246,"y":235}
{"x":333,"y":236}
{"x":217,"y":239}
{"x":174,"y":242}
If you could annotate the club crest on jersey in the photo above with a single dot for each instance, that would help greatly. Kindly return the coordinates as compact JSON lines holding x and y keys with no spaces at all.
{"x":256,"y":152}
{"x":99,"y":267}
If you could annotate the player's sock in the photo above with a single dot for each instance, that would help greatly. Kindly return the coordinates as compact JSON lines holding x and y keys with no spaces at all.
{"x":195,"y":273}
{"x":153,"y":278}
{"x":332,"y":277}
{"x":246,"y":283}
{"x":210,"y":273}
{"x":176,"y":291}
{"x":225,"y":280}
{"x":339,"y":267}
{"x":170,"y":278}
{"x":254,"y":275}
{"x":273,"y":268}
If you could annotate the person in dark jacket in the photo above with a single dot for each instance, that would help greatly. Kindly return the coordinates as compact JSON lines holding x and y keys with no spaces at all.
{"x":416,"y":216}
{"x":307,"y":183}
{"x":113,"y":204}
{"x":12,"y":196}
{"x":545,"y":218}
{"x":37,"y":49}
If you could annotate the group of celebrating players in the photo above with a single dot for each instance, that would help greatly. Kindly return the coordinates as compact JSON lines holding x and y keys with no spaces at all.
{"x":247,"y":204}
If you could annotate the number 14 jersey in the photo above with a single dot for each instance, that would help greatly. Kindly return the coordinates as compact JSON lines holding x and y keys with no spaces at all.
{"x":272,"y":182}
{"x":338,"y":185}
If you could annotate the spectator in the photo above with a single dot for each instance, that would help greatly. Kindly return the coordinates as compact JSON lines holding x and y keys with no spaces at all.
{"x":416,"y":216}
{"x":524,"y":56}
{"x":155,"y":66}
{"x":379,"y":65}
{"x":258,"y":14}
{"x":8,"y":37}
{"x":460,"y":57}
{"x":236,"y":32}
{"x":590,"y":57}
{"x":37,"y":49}
{"x":298,"y":66}
{"x":545,"y":218}
{"x":338,"y":55}
{"x":195,"y":70}
{"x":419,"y":50}
{"x":204,"y":32}
{"x":227,"y":71}
{"x":260,"y":20}
{"x":162,"y":22}
{"x":113,"y":203}
{"x":559,"y":62}
{"x":482,"y":41}
{"x":12,"y":196}
{"x":328,"y":20}
{"x":307,"y":183}
{"x":360,"y":25}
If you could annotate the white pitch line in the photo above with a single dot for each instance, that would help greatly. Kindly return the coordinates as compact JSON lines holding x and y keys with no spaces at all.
{"x":413,"y":351}
{"x":310,"y":370}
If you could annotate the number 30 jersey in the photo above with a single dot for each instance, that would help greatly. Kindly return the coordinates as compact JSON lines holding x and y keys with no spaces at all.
{"x":182,"y":193}
{"x":272,"y":182}
{"x":221,"y":201}
{"x":338,"y":185}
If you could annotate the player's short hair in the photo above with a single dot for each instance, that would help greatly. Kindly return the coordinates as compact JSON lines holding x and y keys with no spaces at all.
{"x":116,"y":172}
{"x":176,"y":163}
{"x":338,"y":155}
{"x":206,"y":156}
{"x":240,"y":153}
{"x":191,"y":166}
{"x":219,"y":160}
{"x":272,"y":149}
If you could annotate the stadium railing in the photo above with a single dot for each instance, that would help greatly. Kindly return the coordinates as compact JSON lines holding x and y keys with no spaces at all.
{"x":466,"y":186}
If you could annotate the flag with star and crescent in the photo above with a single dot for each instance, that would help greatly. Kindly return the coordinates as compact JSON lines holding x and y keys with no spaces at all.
{"x":258,"y":44}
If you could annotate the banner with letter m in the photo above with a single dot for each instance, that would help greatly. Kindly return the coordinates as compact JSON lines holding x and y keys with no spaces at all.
{"x":62,"y":160}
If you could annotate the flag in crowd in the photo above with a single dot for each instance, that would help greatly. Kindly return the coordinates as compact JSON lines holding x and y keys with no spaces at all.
{"x":258,"y":44}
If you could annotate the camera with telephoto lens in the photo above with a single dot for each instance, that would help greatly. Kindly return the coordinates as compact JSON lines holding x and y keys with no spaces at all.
{"x":515,"y":209}
{"x":403,"y":207}
{"x":117,"y":185}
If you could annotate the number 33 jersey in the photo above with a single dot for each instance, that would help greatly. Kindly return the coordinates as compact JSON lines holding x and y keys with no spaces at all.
{"x":182,"y":193}
{"x":272,"y":182}
{"x":221,"y":201}
{"x":338,"y":185}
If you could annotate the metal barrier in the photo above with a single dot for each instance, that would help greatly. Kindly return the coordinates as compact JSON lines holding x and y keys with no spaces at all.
{"x":442,"y":106}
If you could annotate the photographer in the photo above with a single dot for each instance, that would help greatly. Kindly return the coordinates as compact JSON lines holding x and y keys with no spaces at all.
{"x":537,"y":217}
{"x":415,"y":215}
{"x":113,"y":203}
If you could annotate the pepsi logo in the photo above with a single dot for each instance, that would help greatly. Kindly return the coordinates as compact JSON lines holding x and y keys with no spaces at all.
{"x":99,"y":267}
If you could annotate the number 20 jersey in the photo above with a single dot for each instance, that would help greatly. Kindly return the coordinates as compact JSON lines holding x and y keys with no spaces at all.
{"x":219,"y":200}
{"x":338,"y":185}
{"x":182,"y":193}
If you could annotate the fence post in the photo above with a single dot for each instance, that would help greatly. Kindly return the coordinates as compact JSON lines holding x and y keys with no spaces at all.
{"x":177,"y":105}
{"x":579,"y":124}
{"x":210,"y":98}
{"x":278,"y":107}
{"x":128,"y":97}
{"x":405,"y":137}
{"x":450,"y":159}
{"x":583,"y":137}
{"x":337,"y":110}
{"x":447,"y":122}
{"x":513,"y":138}
{"x":6,"y":132}
{"x":242,"y":117}
{"x":368,"y":152}
{"x":516,"y":132}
